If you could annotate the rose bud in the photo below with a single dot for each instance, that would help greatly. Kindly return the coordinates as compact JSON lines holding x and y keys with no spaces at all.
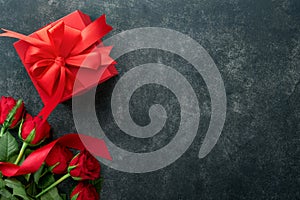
{"x":33,"y":130}
{"x":84,"y":166}
{"x":11,"y":111}
{"x":84,"y":191}
{"x":58,"y":159}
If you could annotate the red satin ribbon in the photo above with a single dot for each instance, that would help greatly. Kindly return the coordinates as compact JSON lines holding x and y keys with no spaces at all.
{"x":57,"y":53}
{"x":54,"y":55}
{"x":34,"y":161}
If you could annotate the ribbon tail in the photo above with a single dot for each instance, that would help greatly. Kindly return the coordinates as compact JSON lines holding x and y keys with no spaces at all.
{"x":28,"y":39}
{"x":55,"y":99}
{"x":95,"y":146}
{"x":34,"y":161}
{"x":91,"y":34}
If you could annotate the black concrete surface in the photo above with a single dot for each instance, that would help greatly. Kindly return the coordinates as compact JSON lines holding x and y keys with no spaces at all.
{"x":255,"y":45}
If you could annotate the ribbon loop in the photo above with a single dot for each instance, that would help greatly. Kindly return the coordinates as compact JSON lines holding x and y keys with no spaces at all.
{"x":56,"y":52}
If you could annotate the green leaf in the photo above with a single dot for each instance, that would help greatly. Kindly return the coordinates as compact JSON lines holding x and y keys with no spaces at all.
{"x":27,"y":177}
{"x":13,"y":158}
{"x":12,"y":183}
{"x":5,"y":194}
{"x":63,"y":196}
{"x":11,"y":198}
{"x":98,"y":184}
{"x":51,"y":195}
{"x":46,"y":181}
{"x":75,"y":196}
{"x":38,"y":173}
{"x":8,"y":147}
{"x":18,"y":188}
{"x":32,"y":189}
{"x":2,"y":184}
{"x":28,"y":151}
{"x":20,"y":192}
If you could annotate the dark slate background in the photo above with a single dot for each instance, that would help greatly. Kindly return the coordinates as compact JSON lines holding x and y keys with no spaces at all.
{"x":256,"y":46}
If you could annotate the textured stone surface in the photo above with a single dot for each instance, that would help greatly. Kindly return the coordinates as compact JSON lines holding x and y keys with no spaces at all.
{"x":256,"y":46}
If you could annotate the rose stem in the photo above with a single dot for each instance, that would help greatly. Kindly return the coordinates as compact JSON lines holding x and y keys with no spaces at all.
{"x":2,"y":131}
{"x":53,"y":185}
{"x":21,"y":153}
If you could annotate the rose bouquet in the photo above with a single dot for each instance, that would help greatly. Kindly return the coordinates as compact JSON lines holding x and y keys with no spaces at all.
{"x":32,"y":166}
{"x":60,"y":161}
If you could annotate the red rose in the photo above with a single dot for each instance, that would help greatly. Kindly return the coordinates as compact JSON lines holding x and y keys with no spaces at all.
{"x":84,"y":167}
{"x":84,"y":191}
{"x":58,"y":159}
{"x":34,"y":130}
{"x":11,"y":111}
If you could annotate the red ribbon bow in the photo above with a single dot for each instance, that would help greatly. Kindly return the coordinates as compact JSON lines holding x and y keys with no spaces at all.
{"x":57,"y":53}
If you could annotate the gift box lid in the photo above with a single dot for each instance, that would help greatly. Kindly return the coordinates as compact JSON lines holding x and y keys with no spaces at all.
{"x":78,"y":21}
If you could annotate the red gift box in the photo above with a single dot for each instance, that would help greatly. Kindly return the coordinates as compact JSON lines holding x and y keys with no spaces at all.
{"x":78,"y":23}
